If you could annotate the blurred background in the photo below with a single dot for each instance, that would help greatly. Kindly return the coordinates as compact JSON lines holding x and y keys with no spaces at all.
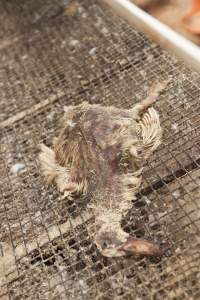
{"x":182,"y":15}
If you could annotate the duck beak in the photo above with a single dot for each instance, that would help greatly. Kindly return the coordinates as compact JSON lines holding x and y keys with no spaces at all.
{"x":138,"y":247}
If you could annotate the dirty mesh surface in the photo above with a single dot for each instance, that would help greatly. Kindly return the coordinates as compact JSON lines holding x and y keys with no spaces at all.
{"x":56,"y":53}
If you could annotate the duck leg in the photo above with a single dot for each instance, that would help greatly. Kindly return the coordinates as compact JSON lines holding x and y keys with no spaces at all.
{"x":153,"y":94}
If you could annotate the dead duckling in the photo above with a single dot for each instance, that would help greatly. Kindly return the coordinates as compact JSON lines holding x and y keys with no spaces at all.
{"x":100,"y":152}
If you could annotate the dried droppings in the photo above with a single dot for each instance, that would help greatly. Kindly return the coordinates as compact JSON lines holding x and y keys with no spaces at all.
{"x":16,"y":168}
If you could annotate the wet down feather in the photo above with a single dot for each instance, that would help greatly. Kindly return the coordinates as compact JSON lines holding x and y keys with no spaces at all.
{"x":100,"y":151}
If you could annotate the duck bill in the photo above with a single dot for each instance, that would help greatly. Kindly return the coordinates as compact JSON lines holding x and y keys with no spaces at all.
{"x":139,"y":247}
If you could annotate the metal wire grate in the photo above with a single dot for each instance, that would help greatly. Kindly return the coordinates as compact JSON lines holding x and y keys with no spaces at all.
{"x":56,"y":53}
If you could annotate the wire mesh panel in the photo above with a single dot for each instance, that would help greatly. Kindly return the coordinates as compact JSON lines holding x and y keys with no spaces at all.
{"x":65,"y":52}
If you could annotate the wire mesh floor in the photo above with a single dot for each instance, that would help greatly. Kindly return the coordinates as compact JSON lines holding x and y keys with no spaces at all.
{"x":55,"y":53}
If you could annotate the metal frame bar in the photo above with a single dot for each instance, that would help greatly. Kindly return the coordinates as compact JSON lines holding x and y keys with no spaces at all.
{"x":162,"y":34}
